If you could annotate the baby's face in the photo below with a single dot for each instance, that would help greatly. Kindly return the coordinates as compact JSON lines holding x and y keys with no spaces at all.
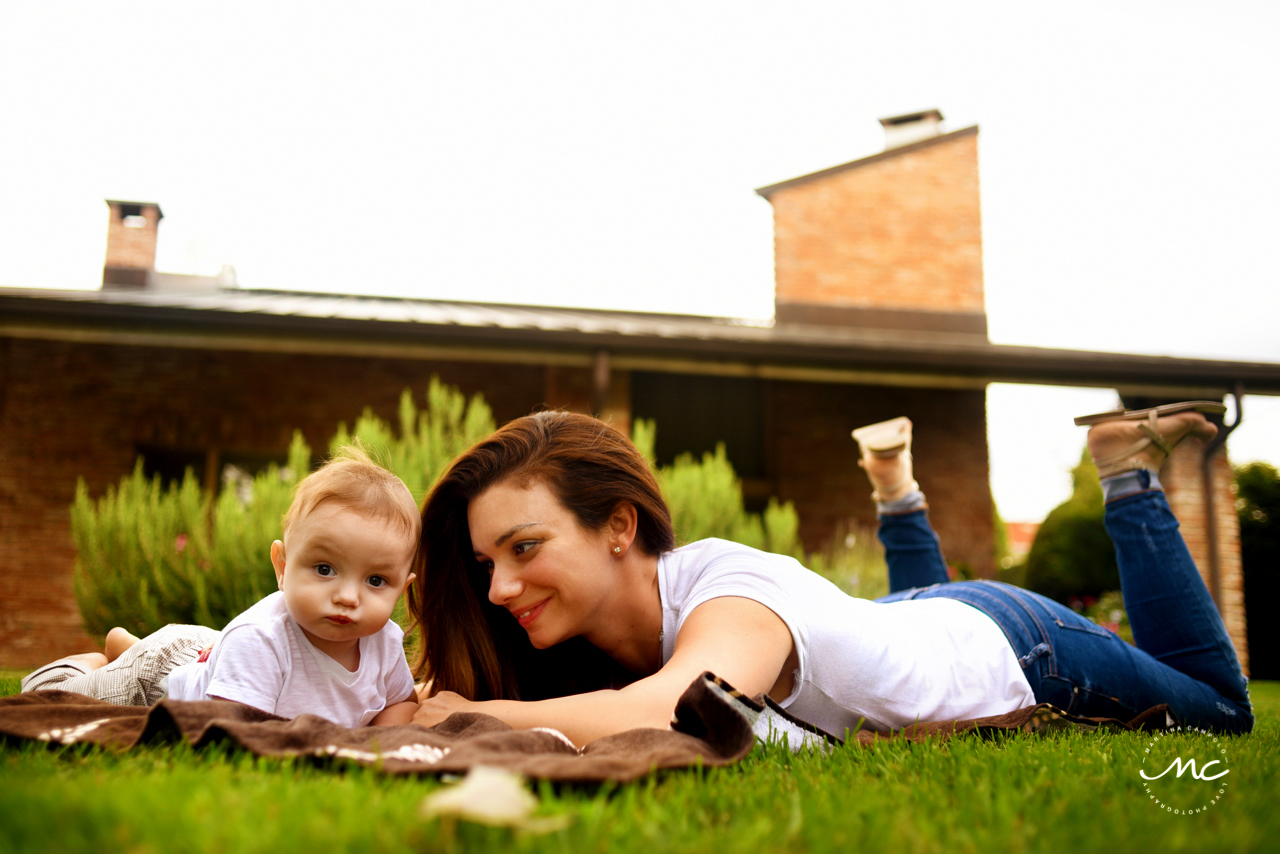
{"x":341,"y":573}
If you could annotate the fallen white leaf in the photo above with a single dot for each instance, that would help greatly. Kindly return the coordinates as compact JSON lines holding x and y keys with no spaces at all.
{"x":486,"y":795}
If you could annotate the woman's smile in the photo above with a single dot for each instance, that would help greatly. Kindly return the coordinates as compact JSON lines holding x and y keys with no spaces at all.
{"x":526,"y":617}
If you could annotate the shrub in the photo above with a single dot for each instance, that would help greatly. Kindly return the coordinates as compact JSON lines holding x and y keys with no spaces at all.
{"x":142,"y":553}
{"x":147,"y":555}
{"x":428,"y":439}
{"x":1258,"y":506}
{"x":854,"y":562}
{"x":1072,"y":555}
{"x":705,"y":499}
{"x":1000,"y":539}
{"x":1109,"y":612}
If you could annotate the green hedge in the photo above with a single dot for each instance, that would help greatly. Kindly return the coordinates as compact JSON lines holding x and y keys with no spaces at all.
{"x":1072,"y":555}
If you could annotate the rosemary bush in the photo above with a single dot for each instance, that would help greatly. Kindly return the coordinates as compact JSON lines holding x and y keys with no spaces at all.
{"x":142,"y":552}
{"x":705,"y":499}
{"x":428,"y":439}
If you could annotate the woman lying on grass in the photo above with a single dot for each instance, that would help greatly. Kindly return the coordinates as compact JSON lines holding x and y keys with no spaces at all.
{"x":548,"y":569}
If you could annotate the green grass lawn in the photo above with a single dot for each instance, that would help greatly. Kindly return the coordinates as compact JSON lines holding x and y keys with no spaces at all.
{"x":1069,"y":792}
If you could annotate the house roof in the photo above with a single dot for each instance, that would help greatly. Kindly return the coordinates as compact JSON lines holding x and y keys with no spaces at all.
{"x":866,"y":161}
{"x":285,"y":321}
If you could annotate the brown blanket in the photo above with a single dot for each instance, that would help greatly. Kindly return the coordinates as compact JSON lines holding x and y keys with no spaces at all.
{"x":712,"y":726}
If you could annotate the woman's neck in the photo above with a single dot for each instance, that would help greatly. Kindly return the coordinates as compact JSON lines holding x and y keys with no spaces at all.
{"x":630,"y":629}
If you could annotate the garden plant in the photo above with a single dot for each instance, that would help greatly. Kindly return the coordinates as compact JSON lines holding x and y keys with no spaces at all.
{"x":1072,"y":556}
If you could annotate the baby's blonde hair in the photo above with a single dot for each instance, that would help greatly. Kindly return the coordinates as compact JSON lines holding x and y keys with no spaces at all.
{"x":352,"y":479}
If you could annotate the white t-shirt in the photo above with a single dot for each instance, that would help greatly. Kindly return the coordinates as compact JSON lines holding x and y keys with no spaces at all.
{"x":264,"y":660}
{"x":892,"y":664}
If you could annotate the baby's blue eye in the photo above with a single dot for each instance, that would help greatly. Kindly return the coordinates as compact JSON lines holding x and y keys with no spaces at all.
{"x":325,"y":571}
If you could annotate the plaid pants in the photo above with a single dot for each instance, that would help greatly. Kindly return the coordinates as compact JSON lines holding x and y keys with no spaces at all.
{"x":139,"y":677}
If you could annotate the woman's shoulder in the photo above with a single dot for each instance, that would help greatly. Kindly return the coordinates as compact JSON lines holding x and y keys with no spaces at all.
{"x":713,"y":548}
{"x":722,"y":562}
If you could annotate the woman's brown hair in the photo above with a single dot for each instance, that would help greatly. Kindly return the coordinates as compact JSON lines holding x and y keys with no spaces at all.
{"x":477,"y":649}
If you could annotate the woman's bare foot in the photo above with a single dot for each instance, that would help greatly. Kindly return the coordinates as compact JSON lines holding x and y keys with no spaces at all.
{"x":886,"y":458}
{"x":118,"y":642}
{"x":1121,"y":446}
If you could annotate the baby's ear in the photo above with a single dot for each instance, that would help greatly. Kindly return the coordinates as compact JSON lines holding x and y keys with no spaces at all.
{"x":409,"y":581}
{"x":277,"y":562}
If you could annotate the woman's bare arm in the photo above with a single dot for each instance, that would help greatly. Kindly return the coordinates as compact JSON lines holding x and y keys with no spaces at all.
{"x":738,"y":639}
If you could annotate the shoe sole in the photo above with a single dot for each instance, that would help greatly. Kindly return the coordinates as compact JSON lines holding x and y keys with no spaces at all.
{"x":887,"y":437}
{"x":1208,"y":407}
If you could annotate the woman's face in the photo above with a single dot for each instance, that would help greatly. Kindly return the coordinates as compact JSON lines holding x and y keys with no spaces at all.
{"x":554,"y":576}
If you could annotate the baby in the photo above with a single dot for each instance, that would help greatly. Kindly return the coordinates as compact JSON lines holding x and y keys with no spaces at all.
{"x":323,"y":644}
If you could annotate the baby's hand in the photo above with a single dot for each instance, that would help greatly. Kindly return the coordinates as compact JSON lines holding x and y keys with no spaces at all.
{"x":435,"y":709}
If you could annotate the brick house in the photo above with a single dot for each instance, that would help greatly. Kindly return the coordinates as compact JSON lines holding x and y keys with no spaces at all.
{"x":879,"y":312}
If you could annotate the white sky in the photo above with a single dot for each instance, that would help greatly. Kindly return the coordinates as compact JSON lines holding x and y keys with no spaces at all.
{"x":605,"y":154}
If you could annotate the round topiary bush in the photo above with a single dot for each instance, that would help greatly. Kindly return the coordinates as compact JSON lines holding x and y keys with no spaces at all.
{"x":1072,"y":556}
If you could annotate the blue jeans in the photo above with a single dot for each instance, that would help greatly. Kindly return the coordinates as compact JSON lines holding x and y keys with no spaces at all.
{"x":1183,"y":655}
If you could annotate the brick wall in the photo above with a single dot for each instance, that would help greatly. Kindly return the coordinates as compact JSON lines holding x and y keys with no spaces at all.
{"x":78,"y":410}
{"x":814,"y":461}
{"x":900,"y":232}
{"x":1184,"y":487}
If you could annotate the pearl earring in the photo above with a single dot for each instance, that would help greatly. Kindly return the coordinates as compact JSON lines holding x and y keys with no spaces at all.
{"x":617,"y":550}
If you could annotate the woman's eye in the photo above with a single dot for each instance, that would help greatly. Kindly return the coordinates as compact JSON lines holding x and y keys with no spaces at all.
{"x":522,"y":547}
{"x":377,"y":581}
{"x":325,"y":571}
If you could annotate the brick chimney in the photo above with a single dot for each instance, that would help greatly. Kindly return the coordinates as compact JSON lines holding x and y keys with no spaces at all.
{"x":911,"y":127}
{"x":890,"y":242}
{"x":131,"y":243}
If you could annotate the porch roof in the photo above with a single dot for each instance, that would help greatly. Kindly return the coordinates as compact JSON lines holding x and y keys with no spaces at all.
{"x":287,"y":321}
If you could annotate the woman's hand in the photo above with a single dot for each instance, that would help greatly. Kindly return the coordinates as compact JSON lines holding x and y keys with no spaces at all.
{"x":435,"y":709}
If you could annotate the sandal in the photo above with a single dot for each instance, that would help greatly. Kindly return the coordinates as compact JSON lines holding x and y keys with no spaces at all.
{"x":1139,"y":455}
{"x":881,"y":443}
